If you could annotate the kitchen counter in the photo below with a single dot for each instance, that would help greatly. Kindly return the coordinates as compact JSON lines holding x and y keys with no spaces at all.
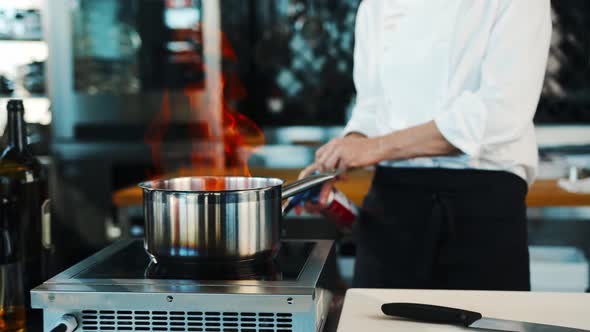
{"x":362,"y":308}
{"x":543,"y":193}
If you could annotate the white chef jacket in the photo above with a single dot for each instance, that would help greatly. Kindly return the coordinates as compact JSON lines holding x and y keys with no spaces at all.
{"x":475,"y":67}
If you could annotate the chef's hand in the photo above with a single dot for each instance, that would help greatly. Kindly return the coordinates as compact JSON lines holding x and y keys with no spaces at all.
{"x":352,"y":151}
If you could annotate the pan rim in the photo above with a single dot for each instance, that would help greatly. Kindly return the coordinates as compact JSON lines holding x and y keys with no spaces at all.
{"x":148,"y":185}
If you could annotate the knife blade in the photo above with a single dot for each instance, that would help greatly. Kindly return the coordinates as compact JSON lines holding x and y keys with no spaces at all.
{"x":452,"y":316}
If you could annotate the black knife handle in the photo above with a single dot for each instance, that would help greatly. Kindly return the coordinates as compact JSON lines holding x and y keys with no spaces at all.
{"x":431,"y":313}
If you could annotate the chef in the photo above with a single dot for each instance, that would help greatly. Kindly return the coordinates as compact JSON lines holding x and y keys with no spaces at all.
{"x":446,"y":94}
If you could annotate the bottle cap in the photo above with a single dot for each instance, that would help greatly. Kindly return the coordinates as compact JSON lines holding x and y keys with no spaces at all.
{"x":15,"y":105}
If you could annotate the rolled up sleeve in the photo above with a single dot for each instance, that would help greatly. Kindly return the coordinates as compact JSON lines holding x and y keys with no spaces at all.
{"x":363,"y":119}
{"x":512,"y":75}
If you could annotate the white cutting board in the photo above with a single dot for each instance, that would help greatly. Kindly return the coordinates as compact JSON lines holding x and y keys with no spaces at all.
{"x":362,"y":308}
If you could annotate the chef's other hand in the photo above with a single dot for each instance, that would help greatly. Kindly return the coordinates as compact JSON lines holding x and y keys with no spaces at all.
{"x":316,"y":206}
{"x":352,"y":151}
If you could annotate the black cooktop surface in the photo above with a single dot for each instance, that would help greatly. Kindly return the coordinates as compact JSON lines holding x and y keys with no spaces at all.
{"x":132,"y":262}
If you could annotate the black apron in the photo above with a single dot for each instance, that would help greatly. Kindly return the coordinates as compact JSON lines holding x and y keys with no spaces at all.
{"x":443,"y":229}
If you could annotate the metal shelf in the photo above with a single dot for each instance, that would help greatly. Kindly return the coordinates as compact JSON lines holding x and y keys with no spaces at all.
{"x":20,"y":40}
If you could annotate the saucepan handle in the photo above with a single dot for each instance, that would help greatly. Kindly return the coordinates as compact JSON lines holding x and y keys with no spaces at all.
{"x":307,"y":183}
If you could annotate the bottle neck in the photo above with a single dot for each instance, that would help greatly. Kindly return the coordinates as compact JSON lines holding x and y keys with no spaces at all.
{"x":17,"y":138}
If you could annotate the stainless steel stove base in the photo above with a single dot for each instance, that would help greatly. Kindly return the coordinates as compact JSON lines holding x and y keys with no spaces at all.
{"x":227,"y":318}
{"x":183,"y":305}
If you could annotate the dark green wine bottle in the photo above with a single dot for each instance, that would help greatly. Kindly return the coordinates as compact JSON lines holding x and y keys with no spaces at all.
{"x":21,"y":199}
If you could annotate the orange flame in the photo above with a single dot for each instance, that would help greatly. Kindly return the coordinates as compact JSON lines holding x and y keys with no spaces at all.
{"x":220,"y":143}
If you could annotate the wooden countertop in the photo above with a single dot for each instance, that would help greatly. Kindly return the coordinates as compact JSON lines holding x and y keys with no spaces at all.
{"x":362,"y":308}
{"x":543,"y":193}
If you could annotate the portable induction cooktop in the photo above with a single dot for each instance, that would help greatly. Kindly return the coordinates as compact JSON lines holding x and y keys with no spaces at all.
{"x":120,"y":289}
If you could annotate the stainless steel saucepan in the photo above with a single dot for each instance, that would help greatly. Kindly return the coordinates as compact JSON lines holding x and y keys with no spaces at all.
{"x":217,"y":218}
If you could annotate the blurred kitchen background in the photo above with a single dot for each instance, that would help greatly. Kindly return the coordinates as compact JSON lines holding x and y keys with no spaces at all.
{"x":114,"y":93}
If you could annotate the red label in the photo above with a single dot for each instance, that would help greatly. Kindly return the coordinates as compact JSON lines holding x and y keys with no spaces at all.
{"x":341,"y":210}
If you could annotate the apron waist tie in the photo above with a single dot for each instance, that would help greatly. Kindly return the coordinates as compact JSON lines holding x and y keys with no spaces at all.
{"x":440,"y":225}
